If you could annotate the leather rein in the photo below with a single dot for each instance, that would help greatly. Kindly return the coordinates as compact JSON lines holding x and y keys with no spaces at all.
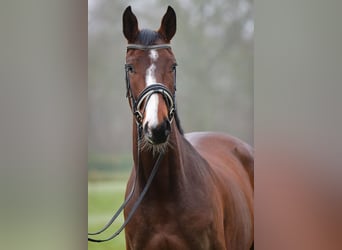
{"x":136,"y":104}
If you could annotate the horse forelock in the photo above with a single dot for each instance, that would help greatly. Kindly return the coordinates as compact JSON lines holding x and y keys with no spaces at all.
{"x":148,"y":37}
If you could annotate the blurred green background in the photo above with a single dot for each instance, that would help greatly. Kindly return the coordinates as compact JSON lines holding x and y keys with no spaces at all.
{"x":104,"y":197}
{"x":214,"y":50}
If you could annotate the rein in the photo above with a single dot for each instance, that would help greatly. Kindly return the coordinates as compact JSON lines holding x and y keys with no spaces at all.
{"x":136,"y":204}
{"x":136,"y":107}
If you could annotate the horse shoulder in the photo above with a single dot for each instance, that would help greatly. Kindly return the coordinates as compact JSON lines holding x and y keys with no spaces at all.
{"x":231,"y":162}
{"x":216,"y":147}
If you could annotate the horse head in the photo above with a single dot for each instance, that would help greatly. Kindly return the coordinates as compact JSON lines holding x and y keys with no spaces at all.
{"x":150,"y":75}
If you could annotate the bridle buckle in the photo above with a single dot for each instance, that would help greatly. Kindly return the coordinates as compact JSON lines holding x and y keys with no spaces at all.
{"x":138,"y":116}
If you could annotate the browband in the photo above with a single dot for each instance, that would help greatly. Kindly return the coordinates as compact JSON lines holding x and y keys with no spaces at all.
{"x":147,"y":47}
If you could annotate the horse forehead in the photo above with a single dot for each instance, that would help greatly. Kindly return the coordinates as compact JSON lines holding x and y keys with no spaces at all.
{"x":135,"y":54}
{"x":153,"y":55}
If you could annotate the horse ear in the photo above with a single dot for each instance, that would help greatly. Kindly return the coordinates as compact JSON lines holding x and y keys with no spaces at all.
{"x":130,"y":25}
{"x":168,"y":24}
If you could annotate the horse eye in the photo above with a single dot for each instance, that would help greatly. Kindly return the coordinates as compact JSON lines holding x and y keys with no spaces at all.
{"x":129,"y":68}
{"x":173,"y":67}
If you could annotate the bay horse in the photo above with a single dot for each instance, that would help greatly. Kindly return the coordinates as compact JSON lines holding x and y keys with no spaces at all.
{"x":202,"y":194}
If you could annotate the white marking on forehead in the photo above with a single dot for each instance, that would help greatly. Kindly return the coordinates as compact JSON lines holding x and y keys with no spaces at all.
{"x":151,"y":112}
{"x":150,"y":75}
{"x":154,"y":55}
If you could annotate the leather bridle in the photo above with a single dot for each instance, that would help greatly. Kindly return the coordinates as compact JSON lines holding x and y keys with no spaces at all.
{"x":136,"y":105}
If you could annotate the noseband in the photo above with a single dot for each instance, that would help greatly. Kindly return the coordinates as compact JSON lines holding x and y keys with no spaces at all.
{"x":136,"y":107}
{"x":149,"y":90}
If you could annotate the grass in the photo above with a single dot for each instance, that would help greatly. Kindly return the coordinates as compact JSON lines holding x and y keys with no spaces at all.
{"x":104,"y":198}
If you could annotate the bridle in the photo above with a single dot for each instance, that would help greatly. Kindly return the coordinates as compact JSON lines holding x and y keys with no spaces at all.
{"x":136,"y":104}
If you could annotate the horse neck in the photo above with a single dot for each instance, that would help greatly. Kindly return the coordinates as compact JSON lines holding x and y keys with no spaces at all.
{"x":170,"y":175}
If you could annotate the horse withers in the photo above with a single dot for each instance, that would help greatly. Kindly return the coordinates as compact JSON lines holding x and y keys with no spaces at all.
{"x":201,"y":196}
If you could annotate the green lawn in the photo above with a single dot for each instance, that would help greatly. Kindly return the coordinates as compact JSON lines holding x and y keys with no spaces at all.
{"x":104,"y":198}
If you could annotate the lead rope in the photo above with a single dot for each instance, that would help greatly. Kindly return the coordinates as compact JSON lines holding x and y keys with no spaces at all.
{"x":137,"y":203}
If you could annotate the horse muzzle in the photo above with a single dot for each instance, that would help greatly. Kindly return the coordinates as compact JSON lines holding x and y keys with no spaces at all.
{"x":159,"y":134}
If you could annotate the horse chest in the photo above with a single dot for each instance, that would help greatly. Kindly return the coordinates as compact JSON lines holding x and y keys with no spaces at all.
{"x":167,"y":229}
{"x":173,"y":241}
{"x":163,"y":238}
